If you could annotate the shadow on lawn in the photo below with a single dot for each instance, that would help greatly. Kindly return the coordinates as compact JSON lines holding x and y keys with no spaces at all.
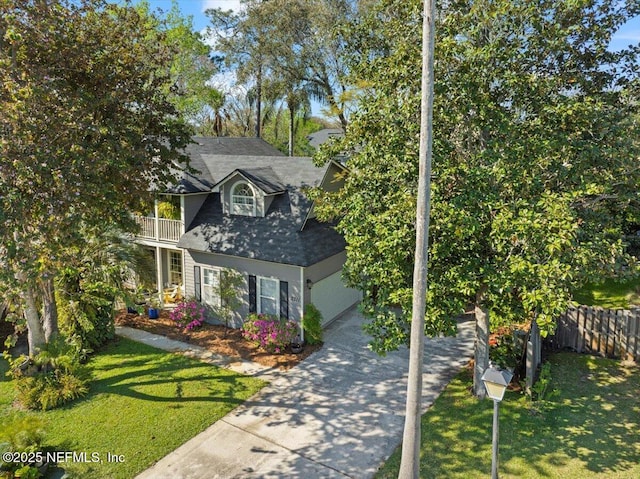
{"x":141,"y":372}
{"x":593,"y":420}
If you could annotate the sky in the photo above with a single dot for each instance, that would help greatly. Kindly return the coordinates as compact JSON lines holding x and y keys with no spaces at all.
{"x":629,"y":33}
{"x":196,"y":8}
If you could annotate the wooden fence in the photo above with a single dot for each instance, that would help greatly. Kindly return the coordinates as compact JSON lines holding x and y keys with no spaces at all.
{"x":608,"y":332}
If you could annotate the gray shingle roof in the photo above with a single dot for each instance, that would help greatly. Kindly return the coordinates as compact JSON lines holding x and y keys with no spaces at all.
{"x":322,"y":136}
{"x":276,"y":237}
{"x":263,"y":178}
{"x":201,"y":151}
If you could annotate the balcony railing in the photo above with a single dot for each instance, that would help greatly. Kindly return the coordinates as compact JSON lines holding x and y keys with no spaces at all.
{"x":159,"y":229}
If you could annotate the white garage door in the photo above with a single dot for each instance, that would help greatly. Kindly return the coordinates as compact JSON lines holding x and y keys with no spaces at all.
{"x":331,"y":297}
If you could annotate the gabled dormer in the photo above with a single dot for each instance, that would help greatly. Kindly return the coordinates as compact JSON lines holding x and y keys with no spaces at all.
{"x":249,"y":191}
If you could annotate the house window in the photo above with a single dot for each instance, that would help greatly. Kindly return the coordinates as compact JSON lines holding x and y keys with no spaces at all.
{"x":243,"y":200}
{"x":268,"y":296}
{"x":211,"y":286}
{"x":175,"y":267}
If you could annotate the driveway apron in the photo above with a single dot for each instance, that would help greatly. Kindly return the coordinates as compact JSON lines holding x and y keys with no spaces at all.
{"x":339,"y":414}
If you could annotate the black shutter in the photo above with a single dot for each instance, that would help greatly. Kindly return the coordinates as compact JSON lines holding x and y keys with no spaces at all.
{"x":253,"y":303}
{"x":284,"y":299}
{"x":196,"y":282}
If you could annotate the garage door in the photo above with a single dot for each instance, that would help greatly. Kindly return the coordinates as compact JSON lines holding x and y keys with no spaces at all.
{"x":331,"y":297}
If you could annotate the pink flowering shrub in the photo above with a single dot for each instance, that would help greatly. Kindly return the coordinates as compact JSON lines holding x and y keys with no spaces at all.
{"x":269,"y":332}
{"x":188,"y":314}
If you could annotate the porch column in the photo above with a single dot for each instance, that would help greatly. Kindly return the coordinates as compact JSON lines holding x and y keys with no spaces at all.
{"x":159,"y":270}
{"x":156,"y":220}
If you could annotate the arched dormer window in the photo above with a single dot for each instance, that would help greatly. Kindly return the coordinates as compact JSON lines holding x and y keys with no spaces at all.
{"x":243,"y":201}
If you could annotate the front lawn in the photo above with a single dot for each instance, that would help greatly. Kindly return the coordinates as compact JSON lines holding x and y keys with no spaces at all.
{"x":143,"y":404}
{"x":589,"y":429}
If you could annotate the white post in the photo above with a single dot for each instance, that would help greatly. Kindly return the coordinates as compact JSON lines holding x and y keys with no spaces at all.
{"x":156,"y":220}
{"x":494,"y":455}
{"x":159,"y":270}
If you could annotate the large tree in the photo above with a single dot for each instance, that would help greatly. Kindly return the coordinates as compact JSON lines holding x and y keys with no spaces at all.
{"x":531,"y":161}
{"x":86,"y":130}
{"x":294,"y":43}
{"x":192,"y":66}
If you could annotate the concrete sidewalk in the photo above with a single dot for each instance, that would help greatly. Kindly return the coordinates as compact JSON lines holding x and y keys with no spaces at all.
{"x":338,"y":414}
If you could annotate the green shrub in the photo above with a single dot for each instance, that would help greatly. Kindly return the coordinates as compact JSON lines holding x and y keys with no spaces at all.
{"x":87,"y":321}
{"x":19,"y":433}
{"x":312,"y":324}
{"x":51,"y":378}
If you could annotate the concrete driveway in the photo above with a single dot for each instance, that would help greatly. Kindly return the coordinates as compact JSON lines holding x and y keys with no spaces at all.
{"x":338,"y":414}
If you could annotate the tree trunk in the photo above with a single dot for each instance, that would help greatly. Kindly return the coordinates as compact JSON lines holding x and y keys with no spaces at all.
{"x":292,"y":117}
{"x":50,"y":310}
{"x":259,"y":102}
{"x":410,"y":461}
{"x":36,"y":335}
{"x":481,"y":353}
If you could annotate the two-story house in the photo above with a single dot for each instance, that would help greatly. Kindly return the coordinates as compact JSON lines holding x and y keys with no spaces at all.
{"x":246,"y":210}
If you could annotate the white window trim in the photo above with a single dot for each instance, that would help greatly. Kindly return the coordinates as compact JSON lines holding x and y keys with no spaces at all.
{"x":259,"y":294}
{"x":232,"y":196}
{"x":170,"y":265}
{"x":205,"y":295}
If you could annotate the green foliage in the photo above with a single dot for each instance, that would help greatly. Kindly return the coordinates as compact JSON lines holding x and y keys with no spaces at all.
{"x":87,"y":322}
{"x":312,"y":324}
{"x":287,"y":51}
{"x":51,"y":378}
{"x":20,"y":434}
{"x":169,"y":209}
{"x":532,"y":167}
{"x":229,"y":291}
{"x":90,"y":283}
{"x":68,"y":130}
{"x":275,"y":132}
{"x":542,"y":391}
{"x":133,"y":383}
{"x":589,"y":430}
{"x":508,"y":349}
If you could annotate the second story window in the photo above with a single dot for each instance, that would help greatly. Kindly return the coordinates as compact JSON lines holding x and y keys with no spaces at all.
{"x":243,"y":200}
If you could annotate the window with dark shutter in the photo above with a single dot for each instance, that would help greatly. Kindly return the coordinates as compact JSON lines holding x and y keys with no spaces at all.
{"x":196,"y":282}
{"x":284,"y":299}
{"x":253,"y":303}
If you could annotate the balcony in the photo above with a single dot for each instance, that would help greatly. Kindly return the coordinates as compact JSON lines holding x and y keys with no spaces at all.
{"x":159,"y":229}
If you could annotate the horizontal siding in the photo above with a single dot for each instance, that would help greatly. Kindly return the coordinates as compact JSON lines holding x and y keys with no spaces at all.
{"x":246,"y":266}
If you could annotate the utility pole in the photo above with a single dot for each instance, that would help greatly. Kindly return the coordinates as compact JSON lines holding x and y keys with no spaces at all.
{"x":410,"y":462}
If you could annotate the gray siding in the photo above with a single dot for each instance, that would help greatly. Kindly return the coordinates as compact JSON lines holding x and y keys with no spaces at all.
{"x":246,"y":267}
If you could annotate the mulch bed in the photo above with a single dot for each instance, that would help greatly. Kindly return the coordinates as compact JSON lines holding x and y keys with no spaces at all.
{"x":215,"y":338}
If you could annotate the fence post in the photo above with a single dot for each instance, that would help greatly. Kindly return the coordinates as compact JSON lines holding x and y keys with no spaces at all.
{"x":534,"y":355}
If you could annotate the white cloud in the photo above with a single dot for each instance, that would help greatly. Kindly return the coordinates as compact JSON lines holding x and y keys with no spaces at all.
{"x":633,"y":37}
{"x":224,"y":4}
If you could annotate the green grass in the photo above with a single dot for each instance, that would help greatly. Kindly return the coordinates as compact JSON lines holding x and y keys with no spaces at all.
{"x":589,"y":429}
{"x":143,"y":404}
{"x":610,"y":294}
